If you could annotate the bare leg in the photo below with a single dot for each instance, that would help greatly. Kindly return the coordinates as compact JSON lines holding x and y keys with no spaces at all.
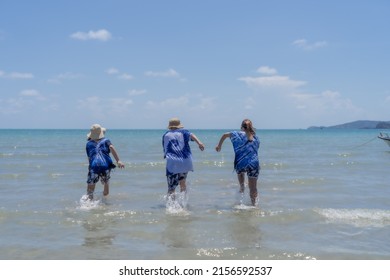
{"x":183,"y":185}
{"x":171,"y":189}
{"x":252,"y":184}
{"x":106,"y":189}
{"x":241,"y":181}
{"x":90,"y":190}
{"x":183,"y":199}
{"x":176,"y":181}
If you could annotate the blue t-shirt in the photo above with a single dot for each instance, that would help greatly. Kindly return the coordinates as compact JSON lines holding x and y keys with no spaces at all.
{"x":246,"y":152}
{"x":177,"y":151}
{"x":104,"y":146}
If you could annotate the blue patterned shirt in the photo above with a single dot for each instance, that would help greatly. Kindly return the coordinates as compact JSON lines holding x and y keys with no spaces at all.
{"x":246,"y":152}
{"x":177,"y":151}
{"x":91,"y":148}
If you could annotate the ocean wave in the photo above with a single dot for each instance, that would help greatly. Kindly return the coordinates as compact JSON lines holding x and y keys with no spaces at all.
{"x":11,"y":176}
{"x":275,"y":166}
{"x":3,"y":155}
{"x":357,"y":217}
{"x":250,"y":253}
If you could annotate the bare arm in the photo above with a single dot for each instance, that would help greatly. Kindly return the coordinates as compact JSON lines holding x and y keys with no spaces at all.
{"x":115,"y":154}
{"x":223,"y":137}
{"x":200,"y":144}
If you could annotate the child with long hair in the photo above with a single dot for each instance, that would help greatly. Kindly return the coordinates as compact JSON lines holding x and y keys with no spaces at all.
{"x":246,"y":161}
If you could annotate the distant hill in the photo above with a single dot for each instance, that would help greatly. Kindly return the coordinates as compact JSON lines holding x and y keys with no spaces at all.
{"x":357,"y":125}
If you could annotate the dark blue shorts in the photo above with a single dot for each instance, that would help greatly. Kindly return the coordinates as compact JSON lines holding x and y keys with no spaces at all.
{"x":250,"y":171}
{"x":174,"y":179}
{"x":93,"y":178}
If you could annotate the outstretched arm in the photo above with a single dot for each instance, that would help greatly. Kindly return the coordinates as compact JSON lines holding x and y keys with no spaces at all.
{"x":223,"y":137}
{"x":115,"y":154}
{"x":200,"y":144}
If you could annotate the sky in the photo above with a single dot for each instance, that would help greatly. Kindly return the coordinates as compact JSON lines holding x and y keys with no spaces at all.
{"x":130,"y":64}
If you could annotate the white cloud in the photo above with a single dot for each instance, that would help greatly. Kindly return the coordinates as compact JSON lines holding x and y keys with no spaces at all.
{"x":119,"y":75}
{"x":272,"y":82}
{"x":120,"y":104}
{"x":184,"y":107}
{"x":91,"y":103}
{"x":305,"y":45}
{"x":125,"y":76}
{"x":122,"y":111}
{"x":325,"y":103}
{"x":178,"y":102}
{"x":16,"y":75}
{"x":14,"y":105}
{"x":32,"y":93}
{"x":206,"y":103}
{"x":103,"y":106}
{"x":69,"y":76}
{"x":99,"y":35}
{"x":170,"y":73}
{"x":267,"y":70}
{"x":28,"y":99}
{"x":135,"y":92}
{"x":186,"y":103}
{"x":64,"y":76}
{"x":288,"y":97}
{"x":112,"y":71}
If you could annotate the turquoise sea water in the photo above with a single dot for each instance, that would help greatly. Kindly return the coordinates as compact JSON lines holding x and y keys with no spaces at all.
{"x":324,"y":194}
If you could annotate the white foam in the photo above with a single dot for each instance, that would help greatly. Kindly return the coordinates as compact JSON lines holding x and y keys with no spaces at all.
{"x":357,"y":217}
{"x":87,"y":204}
{"x":239,"y":198}
{"x":177,"y":203}
{"x":244,"y":207}
{"x":242,"y":202}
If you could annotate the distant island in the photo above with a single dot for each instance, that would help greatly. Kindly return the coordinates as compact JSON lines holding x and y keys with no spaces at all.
{"x":357,"y":125}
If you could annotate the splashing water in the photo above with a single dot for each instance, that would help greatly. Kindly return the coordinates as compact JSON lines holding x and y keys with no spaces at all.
{"x":177,"y":203}
{"x":243,"y":202}
{"x":240,"y":198}
{"x":86,"y":203}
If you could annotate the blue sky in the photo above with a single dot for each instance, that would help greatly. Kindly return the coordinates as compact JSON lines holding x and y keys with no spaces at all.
{"x":135,"y":64}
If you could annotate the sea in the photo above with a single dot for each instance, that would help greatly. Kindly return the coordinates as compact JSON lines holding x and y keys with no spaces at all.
{"x":323,"y":195}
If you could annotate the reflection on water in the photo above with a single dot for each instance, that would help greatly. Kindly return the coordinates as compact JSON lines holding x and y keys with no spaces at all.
{"x":246,"y":231}
{"x":97,"y":233}
{"x":177,"y":233}
{"x":97,"y":224}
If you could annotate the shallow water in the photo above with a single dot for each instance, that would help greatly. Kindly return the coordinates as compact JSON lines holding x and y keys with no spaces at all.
{"x":323,"y":195}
